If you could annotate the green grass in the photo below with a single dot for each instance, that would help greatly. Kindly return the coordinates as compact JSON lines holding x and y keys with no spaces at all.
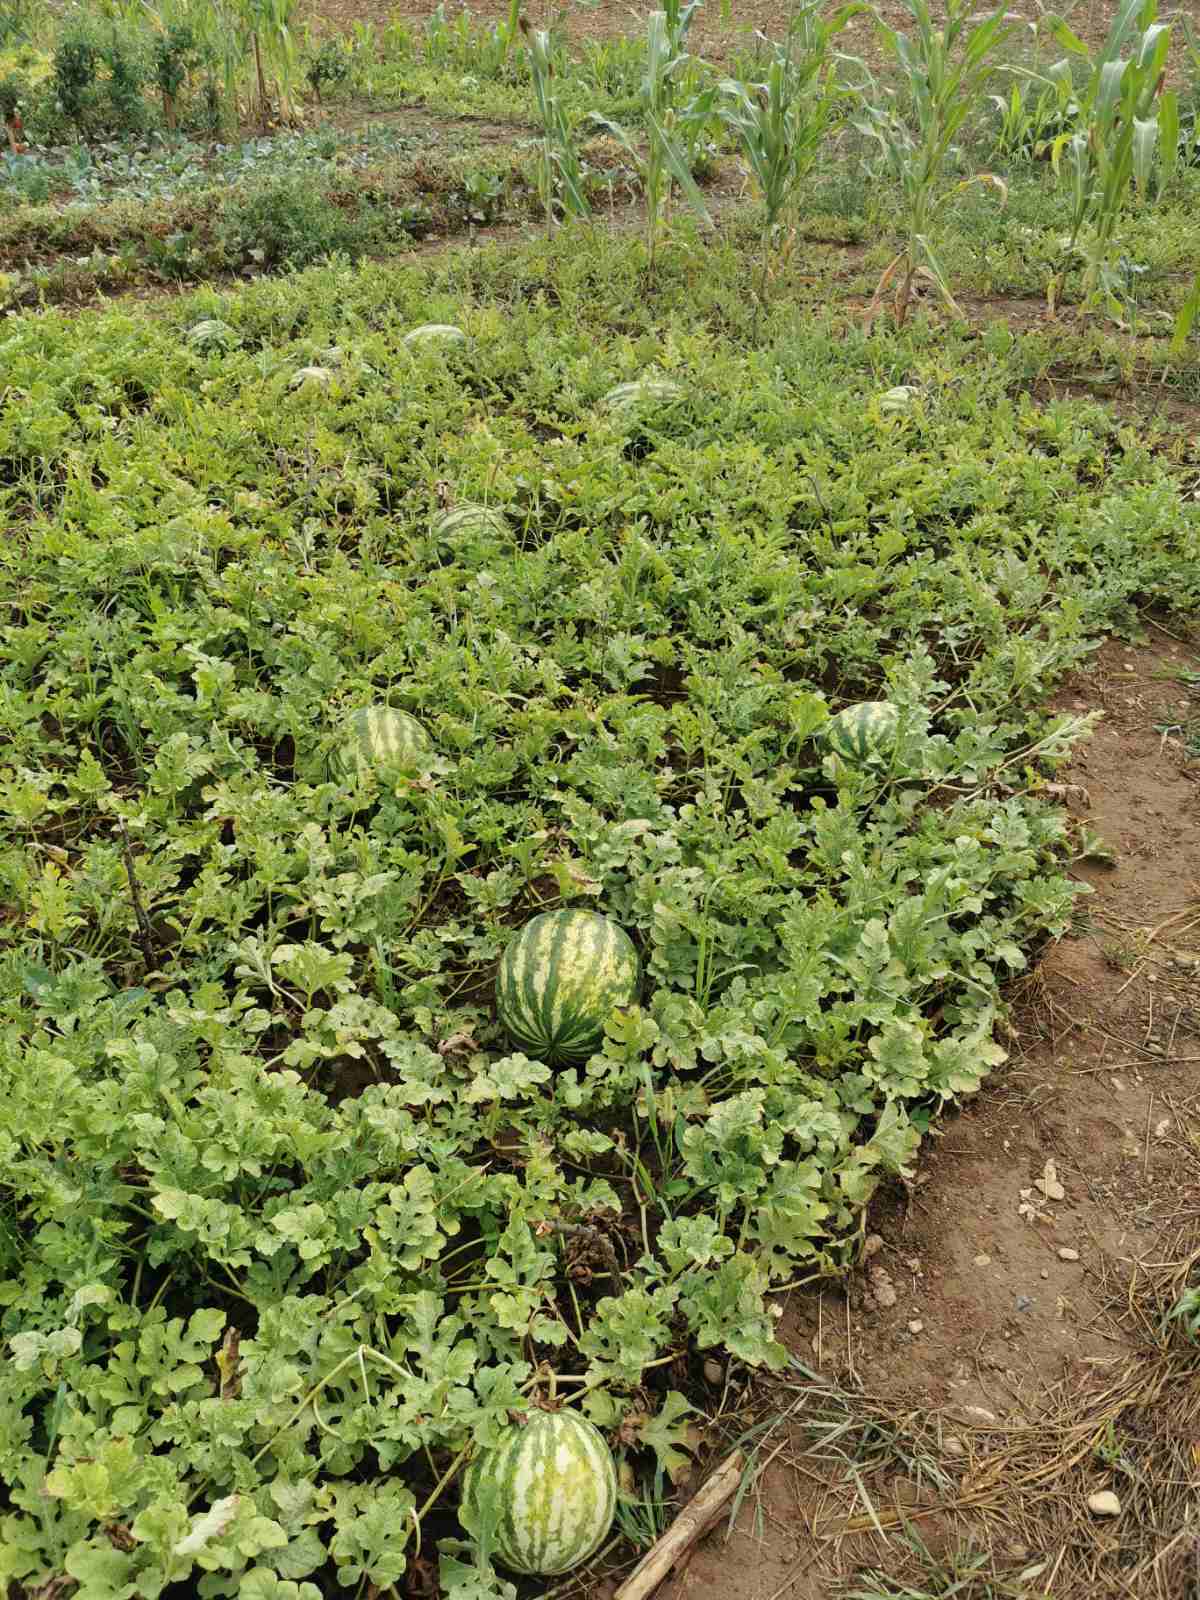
{"x":283,"y":1215}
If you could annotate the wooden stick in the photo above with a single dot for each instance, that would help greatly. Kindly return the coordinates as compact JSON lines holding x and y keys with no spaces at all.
{"x":689,"y":1527}
{"x":145,"y":931}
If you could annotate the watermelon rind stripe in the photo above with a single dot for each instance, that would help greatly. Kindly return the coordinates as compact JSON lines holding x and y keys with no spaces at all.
{"x":559,"y":978}
{"x":554,"y":1479}
{"x":863,"y":733}
{"x":378,"y":737}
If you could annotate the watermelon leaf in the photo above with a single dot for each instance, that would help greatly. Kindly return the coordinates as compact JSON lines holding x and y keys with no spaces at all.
{"x":672,"y":1439}
{"x":477,"y":1581}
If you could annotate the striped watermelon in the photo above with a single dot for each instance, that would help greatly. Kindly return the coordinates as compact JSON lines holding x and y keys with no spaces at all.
{"x":213,"y":334}
{"x":643,"y":392}
{"x":433,"y":333}
{"x":321,"y":377}
{"x":559,"y":980}
{"x":379,"y":739}
{"x":863,"y":734}
{"x":468,"y":521}
{"x":546,"y":1493}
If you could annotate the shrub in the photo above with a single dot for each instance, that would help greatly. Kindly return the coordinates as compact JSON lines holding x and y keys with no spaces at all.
{"x":327,"y":66}
{"x":286,"y":222}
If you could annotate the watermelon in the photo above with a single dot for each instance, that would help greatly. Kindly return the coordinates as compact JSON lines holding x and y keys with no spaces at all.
{"x":863,"y":734}
{"x":212,"y":334}
{"x":320,"y":377}
{"x":468,"y":521}
{"x":433,"y":333}
{"x":546,"y":1493}
{"x":379,"y":739}
{"x":643,"y":392}
{"x":559,"y":980}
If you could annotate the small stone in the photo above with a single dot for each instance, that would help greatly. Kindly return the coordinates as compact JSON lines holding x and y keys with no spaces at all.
{"x":1118,"y":1084}
{"x":1024,"y":1302}
{"x":979,"y":1414}
{"x":872,"y":1245}
{"x":952,"y":1445}
{"x":714,"y":1372}
{"x":916,"y":1326}
{"x":1044,"y":1273}
{"x":1161,"y":1129}
{"x":1048,"y":1183}
{"x":1104,"y":1503}
{"x":1067,"y":1254}
{"x":983,"y":1261}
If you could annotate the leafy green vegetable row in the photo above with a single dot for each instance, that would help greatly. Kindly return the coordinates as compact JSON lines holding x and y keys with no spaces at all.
{"x":282,"y":1216}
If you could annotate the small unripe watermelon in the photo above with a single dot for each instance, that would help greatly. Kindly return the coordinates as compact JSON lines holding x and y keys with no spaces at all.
{"x":559,"y":980}
{"x":380,"y":739}
{"x":552,"y":1488}
{"x":433,"y":333}
{"x":643,"y":393}
{"x":864,"y":734}
{"x":212,"y":334}
{"x":318,"y":377}
{"x":466,"y":521}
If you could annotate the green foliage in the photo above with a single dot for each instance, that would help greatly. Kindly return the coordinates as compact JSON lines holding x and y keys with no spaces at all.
{"x":286,"y":222}
{"x":1029,"y":122}
{"x":327,"y":66}
{"x":175,"y":55}
{"x":1185,"y":1314}
{"x":286,"y":1227}
{"x":76,"y":65}
{"x":13,"y":91}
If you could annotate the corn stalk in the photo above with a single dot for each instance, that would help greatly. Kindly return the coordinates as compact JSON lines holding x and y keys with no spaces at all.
{"x":558,"y":164}
{"x":672,"y":131}
{"x":944,"y":71}
{"x":1126,"y":137}
{"x":782,"y":121}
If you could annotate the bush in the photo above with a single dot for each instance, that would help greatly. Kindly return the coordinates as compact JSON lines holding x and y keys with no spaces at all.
{"x":76,"y":62}
{"x":98,"y":79}
{"x":288,"y":222}
{"x":175,"y":55}
{"x":327,"y":66}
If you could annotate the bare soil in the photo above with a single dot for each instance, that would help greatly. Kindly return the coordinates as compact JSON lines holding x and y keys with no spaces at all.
{"x":1000,"y":1355}
{"x":718,"y":32}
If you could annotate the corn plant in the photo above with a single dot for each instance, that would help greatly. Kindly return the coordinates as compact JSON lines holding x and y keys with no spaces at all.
{"x":1126,"y":138}
{"x":1029,"y":121}
{"x":559,"y":169}
{"x":782,"y":121}
{"x":673,"y":131}
{"x":1189,"y":313}
{"x":461,"y":45}
{"x":943,"y":71}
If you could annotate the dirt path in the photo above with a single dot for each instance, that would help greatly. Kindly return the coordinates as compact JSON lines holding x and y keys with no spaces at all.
{"x":1001,"y":1357}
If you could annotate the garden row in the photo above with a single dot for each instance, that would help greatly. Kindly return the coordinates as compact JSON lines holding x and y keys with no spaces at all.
{"x":289,"y":1231}
{"x":902,"y":158}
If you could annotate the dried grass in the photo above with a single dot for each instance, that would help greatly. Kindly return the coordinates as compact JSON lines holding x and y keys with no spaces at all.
{"x":1006,"y":1513}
